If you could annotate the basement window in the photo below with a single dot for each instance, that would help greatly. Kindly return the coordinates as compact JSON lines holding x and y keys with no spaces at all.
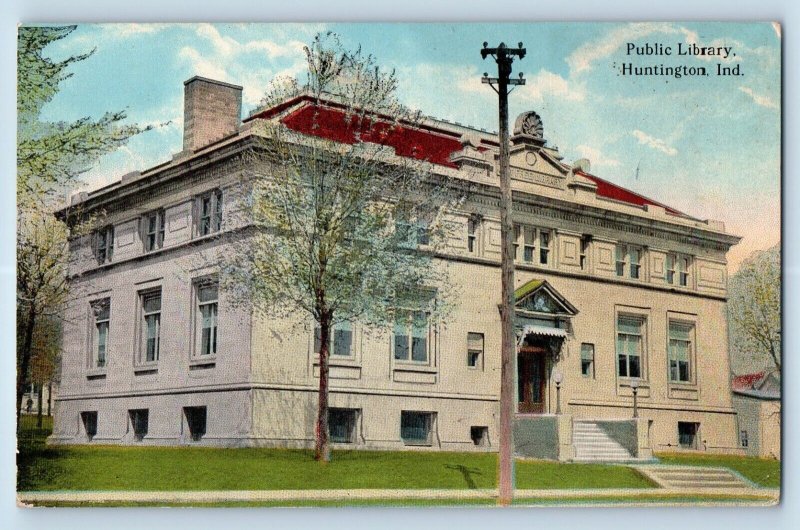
{"x":139,"y":420}
{"x":687,"y":434}
{"x":415,"y":427}
{"x":196,"y":422}
{"x":89,"y":421}
{"x":479,"y":435}
{"x":342,"y":425}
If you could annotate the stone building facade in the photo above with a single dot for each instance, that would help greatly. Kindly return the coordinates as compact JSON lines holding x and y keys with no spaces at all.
{"x":616,"y":293}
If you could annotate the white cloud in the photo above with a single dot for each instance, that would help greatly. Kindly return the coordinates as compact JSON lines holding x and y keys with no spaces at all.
{"x":129,"y":30}
{"x":225,"y":61}
{"x":229,"y":47}
{"x":203,"y":65}
{"x":655,"y":143}
{"x":596,"y":157}
{"x":764,"y":101}
{"x":546,"y":83}
{"x":542,"y":84}
{"x":583,"y":58}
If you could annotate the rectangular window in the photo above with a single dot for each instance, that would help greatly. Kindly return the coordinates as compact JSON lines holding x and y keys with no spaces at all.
{"x":529,"y":244}
{"x":680,"y":352}
{"x":210,"y":212}
{"x":620,"y":259}
{"x":195,"y":422}
{"x":154,"y":230}
{"x":89,"y":421}
{"x":342,"y":425}
{"x":517,"y":237}
{"x":139,"y":419}
{"x":635,"y":256}
{"x":101,"y":310}
{"x":629,"y":346}
{"x":587,"y":360}
{"x":207,"y":310}
{"x":544,"y":247}
{"x":472,"y":235}
{"x":744,"y":439}
{"x":151,"y":326}
{"x":411,"y":336}
{"x":584,"y":252}
{"x":475,"y":350}
{"x":669,"y":275}
{"x":628,"y":260}
{"x":412,"y":233}
{"x":423,"y":233}
{"x":687,"y":434}
{"x":683,"y":271}
{"x":415,"y":427}
{"x":104,"y":248}
{"x":341,"y":340}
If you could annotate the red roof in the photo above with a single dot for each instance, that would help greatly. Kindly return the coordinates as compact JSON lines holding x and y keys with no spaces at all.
{"x":618,"y":193}
{"x":422,"y":143}
{"x":334,"y":124}
{"x":746,"y":381}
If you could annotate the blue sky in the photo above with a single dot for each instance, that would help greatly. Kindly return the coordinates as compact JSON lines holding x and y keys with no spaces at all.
{"x":709,"y":146}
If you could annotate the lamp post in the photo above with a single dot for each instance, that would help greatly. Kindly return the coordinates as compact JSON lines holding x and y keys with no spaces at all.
{"x":558,"y":378}
{"x":635,"y":389}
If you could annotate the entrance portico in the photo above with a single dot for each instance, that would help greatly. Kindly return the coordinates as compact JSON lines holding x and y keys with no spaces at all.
{"x":543,"y":323}
{"x":542,"y":320}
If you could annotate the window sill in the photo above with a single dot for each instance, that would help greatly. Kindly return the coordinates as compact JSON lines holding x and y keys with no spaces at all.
{"x":202,"y":363}
{"x":146,"y":369}
{"x":627,"y":382}
{"x":205,"y":359}
{"x":687,"y":385}
{"x":422,"y":443}
{"x":96,"y":373}
{"x":339,"y":360}
{"x":405,"y":366}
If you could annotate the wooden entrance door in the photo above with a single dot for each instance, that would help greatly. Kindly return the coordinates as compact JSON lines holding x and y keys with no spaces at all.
{"x":531,"y":380}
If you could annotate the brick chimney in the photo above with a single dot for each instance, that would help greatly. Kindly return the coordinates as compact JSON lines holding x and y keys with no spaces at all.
{"x":211,"y":111}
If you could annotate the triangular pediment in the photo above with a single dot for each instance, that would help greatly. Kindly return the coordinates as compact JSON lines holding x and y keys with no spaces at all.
{"x":526,"y":158}
{"x":539,"y":297}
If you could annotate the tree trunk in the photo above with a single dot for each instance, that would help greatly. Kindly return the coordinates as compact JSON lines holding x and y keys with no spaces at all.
{"x":22,"y":375}
{"x":775,"y":357}
{"x":49,"y":398}
{"x":39,"y":406}
{"x":322,"y":450}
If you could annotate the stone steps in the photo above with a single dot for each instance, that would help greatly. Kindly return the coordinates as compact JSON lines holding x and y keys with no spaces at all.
{"x":592,"y":444}
{"x":693,"y":477}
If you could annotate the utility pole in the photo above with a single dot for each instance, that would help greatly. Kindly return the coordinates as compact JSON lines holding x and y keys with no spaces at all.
{"x":504,"y":56}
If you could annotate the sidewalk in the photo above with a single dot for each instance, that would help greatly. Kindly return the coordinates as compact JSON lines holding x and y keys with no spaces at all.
{"x":604,"y":496}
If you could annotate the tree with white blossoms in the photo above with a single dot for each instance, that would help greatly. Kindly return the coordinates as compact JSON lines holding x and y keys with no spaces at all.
{"x":51,"y":157}
{"x":754,"y":308}
{"x":344,"y":231}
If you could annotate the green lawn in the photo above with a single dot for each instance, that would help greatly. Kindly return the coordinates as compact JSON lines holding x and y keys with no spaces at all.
{"x":762,"y":471}
{"x":196,"y":468}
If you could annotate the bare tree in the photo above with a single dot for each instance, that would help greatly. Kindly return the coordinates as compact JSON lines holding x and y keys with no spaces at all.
{"x":754,"y":309}
{"x":346,"y":230}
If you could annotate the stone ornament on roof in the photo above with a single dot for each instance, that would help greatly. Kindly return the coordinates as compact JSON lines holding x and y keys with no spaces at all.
{"x":529,"y":124}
